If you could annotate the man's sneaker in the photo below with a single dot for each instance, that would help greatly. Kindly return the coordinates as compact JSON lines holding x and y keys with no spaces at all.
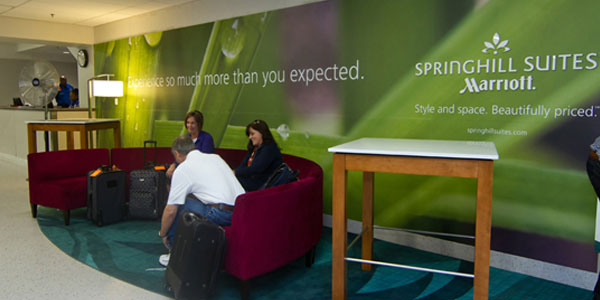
{"x":163,"y":260}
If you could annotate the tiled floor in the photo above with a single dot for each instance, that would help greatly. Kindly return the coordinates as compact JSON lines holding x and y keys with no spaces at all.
{"x":32,"y":267}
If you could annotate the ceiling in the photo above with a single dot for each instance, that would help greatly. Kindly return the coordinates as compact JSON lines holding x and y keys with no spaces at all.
{"x":76,"y":12}
{"x":81,"y":12}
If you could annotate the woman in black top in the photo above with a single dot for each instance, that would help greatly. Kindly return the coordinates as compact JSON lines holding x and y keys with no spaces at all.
{"x":262,"y":159}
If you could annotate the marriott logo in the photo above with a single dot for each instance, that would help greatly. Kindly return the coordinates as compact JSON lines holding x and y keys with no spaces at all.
{"x":474,"y":68}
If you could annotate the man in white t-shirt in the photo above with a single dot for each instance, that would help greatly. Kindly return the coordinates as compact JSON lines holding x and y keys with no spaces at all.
{"x":202,"y":183}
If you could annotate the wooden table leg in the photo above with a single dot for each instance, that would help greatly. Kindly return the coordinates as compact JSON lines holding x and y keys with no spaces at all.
{"x":367,"y":219}
{"x":70,"y":140}
{"x":117,"y":136}
{"x":31,"y":139}
{"x":483,"y":226}
{"x":83,"y":138}
{"x":339,"y":235}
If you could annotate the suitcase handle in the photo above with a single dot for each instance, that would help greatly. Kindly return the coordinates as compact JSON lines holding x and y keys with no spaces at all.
{"x":191,"y":217}
{"x":153,"y":162}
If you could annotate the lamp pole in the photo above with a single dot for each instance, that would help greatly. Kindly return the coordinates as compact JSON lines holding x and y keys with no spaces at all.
{"x":91,"y":92}
{"x":92,"y":100}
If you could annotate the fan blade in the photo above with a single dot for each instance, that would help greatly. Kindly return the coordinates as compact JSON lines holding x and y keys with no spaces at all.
{"x":38,"y":82}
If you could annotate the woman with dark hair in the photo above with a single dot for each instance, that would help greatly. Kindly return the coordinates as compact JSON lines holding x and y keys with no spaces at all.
{"x":193,"y":122}
{"x":262,"y":159}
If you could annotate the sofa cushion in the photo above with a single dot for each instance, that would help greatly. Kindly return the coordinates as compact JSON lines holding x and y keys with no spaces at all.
{"x":65,"y":193}
{"x":64,"y":164}
{"x":129,"y":159}
{"x":233,"y":157}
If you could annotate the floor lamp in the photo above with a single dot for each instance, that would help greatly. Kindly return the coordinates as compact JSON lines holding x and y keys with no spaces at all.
{"x":98,"y":87}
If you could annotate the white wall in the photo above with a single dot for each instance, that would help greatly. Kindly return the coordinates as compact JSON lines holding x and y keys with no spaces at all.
{"x":14,"y":132}
{"x":15,"y":29}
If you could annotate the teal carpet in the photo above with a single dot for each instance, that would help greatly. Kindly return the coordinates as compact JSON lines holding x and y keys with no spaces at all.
{"x":129,"y":251}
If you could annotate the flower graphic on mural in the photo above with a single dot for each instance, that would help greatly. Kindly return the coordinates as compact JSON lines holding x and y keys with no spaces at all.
{"x":496,"y":45}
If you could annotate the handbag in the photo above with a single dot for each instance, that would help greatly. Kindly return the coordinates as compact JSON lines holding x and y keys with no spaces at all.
{"x":282,"y":175}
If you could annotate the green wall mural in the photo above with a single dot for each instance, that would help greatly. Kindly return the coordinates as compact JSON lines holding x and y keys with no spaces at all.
{"x":523,"y":74}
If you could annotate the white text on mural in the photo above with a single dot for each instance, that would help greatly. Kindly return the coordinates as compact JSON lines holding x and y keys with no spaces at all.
{"x":540,"y":110}
{"x":303,"y":76}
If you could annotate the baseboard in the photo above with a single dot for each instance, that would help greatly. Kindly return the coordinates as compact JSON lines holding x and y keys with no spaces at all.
{"x":11,"y":159}
{"x":513,"y":263}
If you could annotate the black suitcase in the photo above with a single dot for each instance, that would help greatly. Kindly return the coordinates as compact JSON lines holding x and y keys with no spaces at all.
{"x":196,"y":258}
{"x":106,"y":193}
{"x":148,"y":189}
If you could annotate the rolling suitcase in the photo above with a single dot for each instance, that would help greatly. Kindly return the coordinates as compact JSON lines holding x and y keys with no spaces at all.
{"x":106,"y":195}
{"x":196,"y":258}
{"x":148,"y":189}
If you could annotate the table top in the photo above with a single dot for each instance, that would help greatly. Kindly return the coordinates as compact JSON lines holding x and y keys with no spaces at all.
{"x":422,"y":148}
{"x":76,"y":121}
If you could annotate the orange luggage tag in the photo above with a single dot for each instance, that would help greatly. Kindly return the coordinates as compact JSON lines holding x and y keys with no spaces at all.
{"x":95,"y":173}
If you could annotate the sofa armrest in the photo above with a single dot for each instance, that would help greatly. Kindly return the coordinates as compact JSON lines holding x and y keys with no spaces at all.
{"x":272,"y":227}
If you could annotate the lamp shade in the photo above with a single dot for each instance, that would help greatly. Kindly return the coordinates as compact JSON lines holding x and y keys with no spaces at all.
{"x":107,"y":88}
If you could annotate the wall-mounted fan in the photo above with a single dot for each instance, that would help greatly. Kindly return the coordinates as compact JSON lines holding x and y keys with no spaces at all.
{"x":38,"y":83}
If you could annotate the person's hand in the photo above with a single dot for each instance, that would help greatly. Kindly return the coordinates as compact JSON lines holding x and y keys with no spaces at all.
{"x":170,"y":171}
{"x":166,"y":242}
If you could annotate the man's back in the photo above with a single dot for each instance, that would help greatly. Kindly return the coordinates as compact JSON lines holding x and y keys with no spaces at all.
{"x":207,"y":177}
{"x":63,"y":98}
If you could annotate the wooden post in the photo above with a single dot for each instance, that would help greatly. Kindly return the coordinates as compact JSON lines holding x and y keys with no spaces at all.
{"x":483,"y":226}
{"x":339,"y":230}
{"x":31,"y":139}
{"x":367,"y":219}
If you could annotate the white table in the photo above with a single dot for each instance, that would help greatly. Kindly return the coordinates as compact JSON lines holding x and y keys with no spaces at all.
{"x":420,"y":157}
{"x":70,"y":125}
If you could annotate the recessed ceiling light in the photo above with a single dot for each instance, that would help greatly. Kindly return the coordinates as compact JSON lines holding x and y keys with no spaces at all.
{"x":66,"y":52}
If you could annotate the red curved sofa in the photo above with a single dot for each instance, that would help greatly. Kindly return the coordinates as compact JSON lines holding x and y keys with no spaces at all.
{"x":57,"y":179}
{"x":272,"y":227}
{"x":269,"y":228}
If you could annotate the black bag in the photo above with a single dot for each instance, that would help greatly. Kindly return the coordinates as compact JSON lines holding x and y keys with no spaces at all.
{"x":148,"y":189}
{"x":282,"y":175}
{"x":196,"y":258}
{"x":106,"y":195}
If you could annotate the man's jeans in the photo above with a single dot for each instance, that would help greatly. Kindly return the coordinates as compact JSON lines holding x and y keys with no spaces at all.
{"x":218,"y":216}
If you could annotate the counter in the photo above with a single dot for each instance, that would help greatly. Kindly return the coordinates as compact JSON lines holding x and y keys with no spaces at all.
{"x":13,"y":135}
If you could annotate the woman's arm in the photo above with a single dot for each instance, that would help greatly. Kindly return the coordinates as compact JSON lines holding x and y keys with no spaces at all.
{"x":206,"y":144}
{"x":264,"y":156}
{"x":243,"y":165}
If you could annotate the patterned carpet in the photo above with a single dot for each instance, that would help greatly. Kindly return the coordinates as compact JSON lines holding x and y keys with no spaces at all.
{"x":129,"y":251}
